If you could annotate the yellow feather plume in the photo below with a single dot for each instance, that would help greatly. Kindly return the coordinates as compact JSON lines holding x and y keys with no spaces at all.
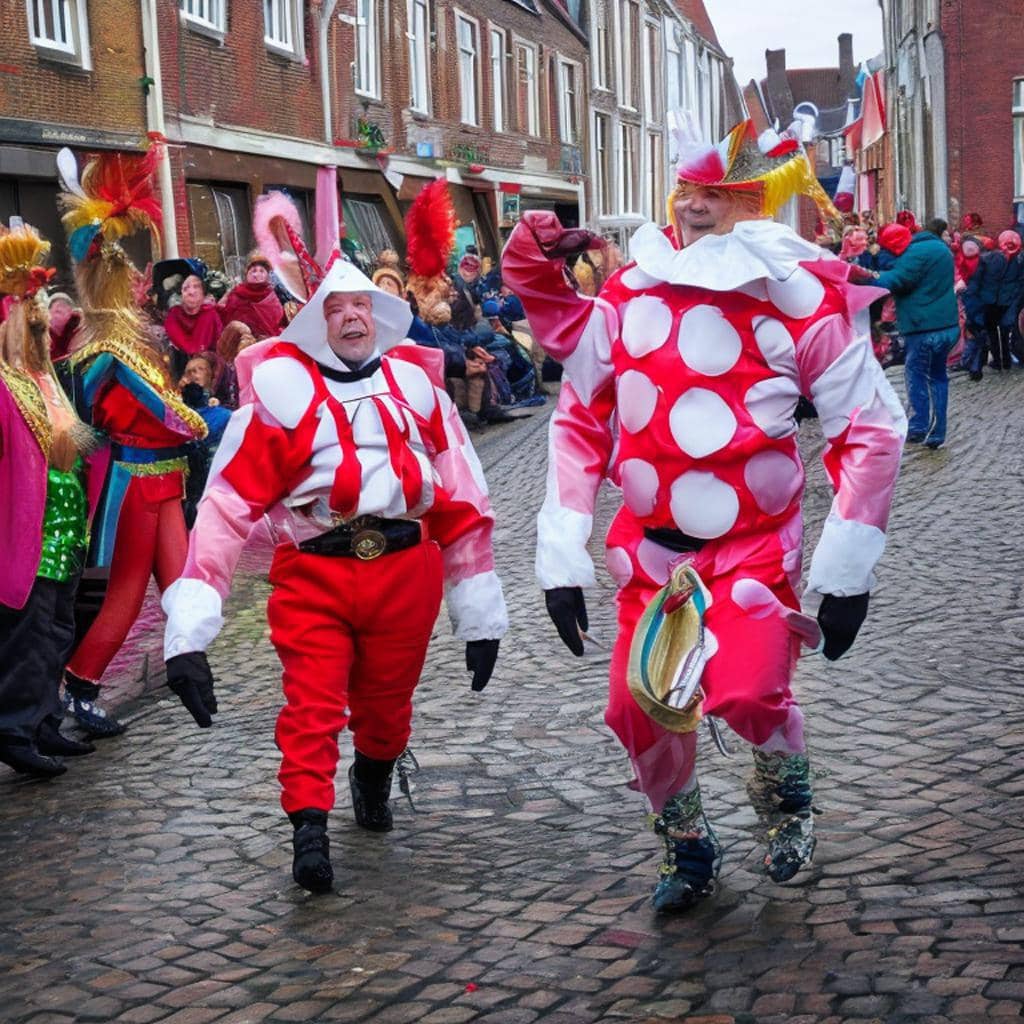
{"x":21,"y":250}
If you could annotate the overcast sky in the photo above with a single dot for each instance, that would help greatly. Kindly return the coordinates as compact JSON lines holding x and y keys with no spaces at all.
{"x":746,"y":28}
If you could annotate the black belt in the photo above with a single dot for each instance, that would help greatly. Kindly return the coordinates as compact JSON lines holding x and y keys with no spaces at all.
{"x":365,"y":538}
{"x":674,"y":540}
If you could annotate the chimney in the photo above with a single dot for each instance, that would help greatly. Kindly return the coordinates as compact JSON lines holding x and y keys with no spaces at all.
{"x":847,"y":72}
{"x":775,"y":61}
{"x":777,"y":91}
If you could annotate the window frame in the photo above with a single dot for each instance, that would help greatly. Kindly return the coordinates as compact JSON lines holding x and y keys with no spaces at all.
{"x":629,"y":184}
{"x":628,"y":69}
{"x":604,"y":195}
{"x":292,"y":12}
{"x":654,"y":155}
{"x":474,"y":25}
{"x":371,"y":36}
{"x":74,"y":48}
{"x":498,"y":66}
{"x":532,"y":125}
{"x":418,"y":75}
{"x":568,"y":134}
{"x":215,"y":27}
{"x":1017,"y":109}
{"x":651,"y":70}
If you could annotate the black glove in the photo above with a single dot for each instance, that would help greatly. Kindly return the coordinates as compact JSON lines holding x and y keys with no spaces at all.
{"x":189,"y":676}
{"x":568,"y":612}
{"x":480,"y":658}
{"x":840,"y":618}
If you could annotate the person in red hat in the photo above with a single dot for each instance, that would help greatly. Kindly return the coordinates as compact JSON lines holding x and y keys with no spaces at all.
{"x":681,"y":384}
{"x":254,"y":302}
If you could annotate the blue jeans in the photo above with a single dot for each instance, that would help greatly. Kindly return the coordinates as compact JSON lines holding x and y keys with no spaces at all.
{"x":927,"y":383}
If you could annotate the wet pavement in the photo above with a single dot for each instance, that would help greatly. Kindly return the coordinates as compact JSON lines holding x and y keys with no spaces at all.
{"x":152,"y":882}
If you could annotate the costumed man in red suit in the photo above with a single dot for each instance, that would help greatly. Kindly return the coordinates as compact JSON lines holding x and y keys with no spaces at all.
{"x":349,"y":447}
{"x":681,"y":383}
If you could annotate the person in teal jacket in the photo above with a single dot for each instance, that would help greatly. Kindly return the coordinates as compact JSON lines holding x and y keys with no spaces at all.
{"x":921,"y":282}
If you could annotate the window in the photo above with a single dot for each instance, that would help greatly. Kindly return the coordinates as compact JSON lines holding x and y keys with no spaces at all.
{"x":655,"y":176}
{"x":1018,"y":138}
{"x":208,"y":14}
{"x":629,"y":168}
{"x":568,"y":103}
{"x":603,"y":164}
{"x":366,"y":222}
{"x":601,"y":52}
{"x":418,"y":35}
{"x":367,"y":75}
{"x":652,"y":71}
{"x":674,"y":99}
{"x":469,"y":69}
{"x":499,"y":90}
{"x":221,"y":221}
{"x":629,"y":48}
{"x":59,"y":28}
{"x":527,"y":105}
{"x":282,"y":26}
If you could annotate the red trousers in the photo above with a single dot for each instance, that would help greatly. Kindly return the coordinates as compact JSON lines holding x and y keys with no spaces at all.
{"x":352,"y":638}
{"x":151,"y":540}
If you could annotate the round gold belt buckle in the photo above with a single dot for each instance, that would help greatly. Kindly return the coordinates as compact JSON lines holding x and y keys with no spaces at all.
{"x":368,"y":544}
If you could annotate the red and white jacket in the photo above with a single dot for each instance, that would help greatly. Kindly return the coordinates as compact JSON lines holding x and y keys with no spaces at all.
{"x":681,"y":382}
{"x":306,"y":446}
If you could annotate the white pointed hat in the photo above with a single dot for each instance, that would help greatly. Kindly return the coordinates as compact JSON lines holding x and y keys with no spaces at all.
{"x":308,"y":330}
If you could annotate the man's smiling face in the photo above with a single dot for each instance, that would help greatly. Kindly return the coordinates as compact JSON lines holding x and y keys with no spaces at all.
{"x":351,"y":331}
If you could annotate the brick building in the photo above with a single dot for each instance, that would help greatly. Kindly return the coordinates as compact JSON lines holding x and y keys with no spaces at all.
{"x":955,"y":106}
{"x":72,"y":81}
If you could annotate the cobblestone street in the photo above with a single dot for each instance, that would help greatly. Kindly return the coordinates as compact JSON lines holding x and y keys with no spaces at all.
{"x":152,"y":883}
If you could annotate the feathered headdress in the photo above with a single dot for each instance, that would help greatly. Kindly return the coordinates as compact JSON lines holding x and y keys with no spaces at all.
{"x":278,"y":230}
{"x":774,"y":165}
{"x":430,"y":240}
{"x":115,"y":198}
{"x":22,"y":252}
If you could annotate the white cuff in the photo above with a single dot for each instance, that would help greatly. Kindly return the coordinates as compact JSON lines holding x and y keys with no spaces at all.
{"x":844,"y":560}
{"x":476,"y":607}
{"x":562,"y":556}
{"x":194,"y":618}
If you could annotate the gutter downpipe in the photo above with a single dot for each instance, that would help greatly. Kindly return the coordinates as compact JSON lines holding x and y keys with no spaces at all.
{"x":326,"y":13}
{"x":155,"y":120}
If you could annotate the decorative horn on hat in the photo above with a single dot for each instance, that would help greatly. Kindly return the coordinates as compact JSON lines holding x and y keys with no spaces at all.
{"x":278,"y":230}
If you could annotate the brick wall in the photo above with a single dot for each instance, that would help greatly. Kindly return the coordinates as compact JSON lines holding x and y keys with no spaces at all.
{"x":107,"y":98}
{"x":980,"y":67}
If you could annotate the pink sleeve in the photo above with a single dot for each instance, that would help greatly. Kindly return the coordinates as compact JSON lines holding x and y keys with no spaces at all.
{"x":864,"y":425}
{"x":580,"y":442}
{"x":462,"y":523}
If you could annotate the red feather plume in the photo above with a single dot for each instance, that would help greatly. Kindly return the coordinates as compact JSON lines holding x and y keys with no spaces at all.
{"x":127,"y":181}
{"x":430,"y":230}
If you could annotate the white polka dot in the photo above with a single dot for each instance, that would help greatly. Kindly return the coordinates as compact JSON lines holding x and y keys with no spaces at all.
{"x":645,"y":325}
{"x":799,"y":295}
{"x":639,"y":486}
{"x":710,"y":643}
{"x":620,"y":566}
{"x":774,"y":480}
{"x":701,"y":422}
{"x":636,"y":398}
{"x":708,"y":343}
{"x":702,"y":505}
{"x":771,"y":404}
{"x":637,"y":280}
{"x":284,"y":388}
{"x":776,"y":345}
{"x":655,"y":560}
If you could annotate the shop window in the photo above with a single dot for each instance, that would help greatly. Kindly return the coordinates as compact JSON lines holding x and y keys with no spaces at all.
{"x":221,"y":224}
{"x":205,"y":15}
{"x":418,"y":36}
{"x":59,"y":29}
{"x":366,"y":223}
{"x":367,"y":71}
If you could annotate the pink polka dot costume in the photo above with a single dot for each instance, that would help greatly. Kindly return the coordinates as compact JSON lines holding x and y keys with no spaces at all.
{"x":681,"y":383}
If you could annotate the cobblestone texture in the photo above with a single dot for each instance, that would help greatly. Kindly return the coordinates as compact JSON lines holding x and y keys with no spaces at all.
{"x":152,"y":883}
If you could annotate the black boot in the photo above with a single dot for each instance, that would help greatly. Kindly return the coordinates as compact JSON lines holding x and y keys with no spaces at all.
{"x":50,"y":740}
{"x":80,"y":701}
{"x":25,"y":759}
{"x":370,"y":782}
{"x":312,"y":865}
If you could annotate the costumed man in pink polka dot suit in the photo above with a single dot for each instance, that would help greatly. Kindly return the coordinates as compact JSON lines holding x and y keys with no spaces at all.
{"x":681,"y":380}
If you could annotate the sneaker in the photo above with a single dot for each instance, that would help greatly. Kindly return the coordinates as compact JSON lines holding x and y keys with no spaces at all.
{"x":914,"y":438}
{"x":92,"y":718}
{"x":933,"y":443}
